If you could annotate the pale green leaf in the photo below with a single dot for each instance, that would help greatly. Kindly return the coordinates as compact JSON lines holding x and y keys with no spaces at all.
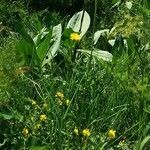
{"x":99,"y":33}
{"x":76,"y":20}
{"x":98,"y":54}
{"x":55,"y":43}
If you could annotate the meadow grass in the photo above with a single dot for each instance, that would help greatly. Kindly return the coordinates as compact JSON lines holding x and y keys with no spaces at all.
{"x":76,"y":101}
{"x":53,"y":109}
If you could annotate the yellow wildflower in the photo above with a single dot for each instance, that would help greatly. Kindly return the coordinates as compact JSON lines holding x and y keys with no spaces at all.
{"x":86,"y":132}
{"x":25,"y":132}
{"x":43,"y":117}
{"x":75,"y":37}
{"x":59,"y":95}
{"x":111,"y":134}
{"x":67,"y":102}
{"x":37,"y":126}
{"x":76,"y":131}
{"x":33,"y":102}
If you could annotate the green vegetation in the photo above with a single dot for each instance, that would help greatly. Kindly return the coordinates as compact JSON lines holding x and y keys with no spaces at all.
{"x":77,"y":79}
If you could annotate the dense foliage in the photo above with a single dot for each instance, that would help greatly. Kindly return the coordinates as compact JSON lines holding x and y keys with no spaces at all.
{"x":74,"y":74}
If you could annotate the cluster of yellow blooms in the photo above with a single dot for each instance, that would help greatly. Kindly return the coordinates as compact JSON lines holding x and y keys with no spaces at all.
{"x":33,"y":102}
{"x":43,"y":117}
{"x":59,"y":95}
{"x":25,"y":132}
{"x":61,"y":99}
{"x":85,"y":132}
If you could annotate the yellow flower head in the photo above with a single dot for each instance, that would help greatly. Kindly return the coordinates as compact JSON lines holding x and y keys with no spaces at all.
{"x":111,"y":134}
{"x":67,"y":102}
{"x":43,"y":117}
{"x":33,"y":102}
{"x":75,"y":37}
{"x":86,"y":132}
{"x":76,"y":131}
{"x":37,"y":126}
{"x":59,"y":95}
{"x":25,"y":132}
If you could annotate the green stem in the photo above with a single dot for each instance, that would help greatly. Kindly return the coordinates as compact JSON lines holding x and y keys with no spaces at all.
{"x":95,"y":12}
{"x":77,"y":44}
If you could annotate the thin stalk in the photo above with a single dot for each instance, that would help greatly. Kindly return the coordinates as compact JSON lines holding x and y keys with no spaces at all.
{"x":95,"y":13}
{"x":94,"y":24}
{"x":78,"y":43}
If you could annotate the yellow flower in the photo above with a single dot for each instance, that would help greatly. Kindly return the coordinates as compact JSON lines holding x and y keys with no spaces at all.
{"x":75,"y":37}
{"x":67,"y":102}
{"x":86,"y":132}
{"x":25,"y":132}
{"x":76,"y":131}
{"x":33,"y":102}
{"x":59,"y":95}
{"x":37,"y":126}
{"x":43,"y":117}
{"x":111,"y":134}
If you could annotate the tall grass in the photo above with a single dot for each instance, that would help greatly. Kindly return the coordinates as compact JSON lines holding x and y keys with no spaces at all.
{"x":50,"y":110}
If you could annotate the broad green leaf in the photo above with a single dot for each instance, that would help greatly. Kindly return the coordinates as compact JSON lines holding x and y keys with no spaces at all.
{"x":27,"y":46}
{"x":27,"y":38}
{"x":6,"y":116}
{"x":99,"y":33}
{"x":55,"y":41}
{"x":40,"y":36}
{"x":42,"y":48}
{"x":13,"y":115}
{"x":98,"y":54}
{"x":76,"y":21}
